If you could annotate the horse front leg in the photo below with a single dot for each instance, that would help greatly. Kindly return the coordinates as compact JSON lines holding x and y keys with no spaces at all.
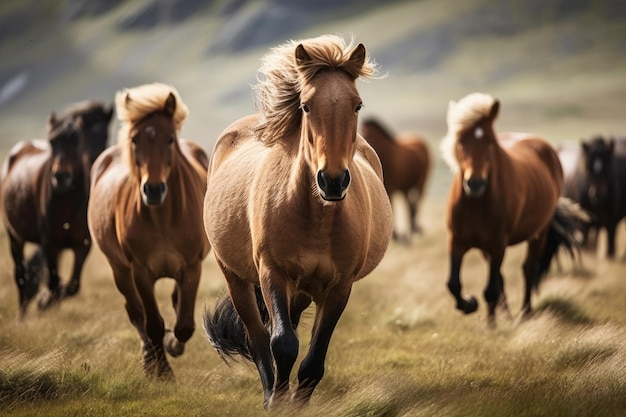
{"x":531,"y":270}
{"x":469,"y":305}
{"x":277,"y":291}
{"x":494,"y":292}
{"x":244,"y":300}
{"x":184,"y":301}
{"x":155,"y":361}
{"x":54,"y":293}
{"x":81,"y":250}
{"x":26,"y":289}
{"x":328,"y":312}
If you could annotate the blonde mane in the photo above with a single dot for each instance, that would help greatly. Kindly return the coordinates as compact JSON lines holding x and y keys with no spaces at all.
{"x":280,"y":81}
{"x":462,"y":116}
{"x":144,"y":100}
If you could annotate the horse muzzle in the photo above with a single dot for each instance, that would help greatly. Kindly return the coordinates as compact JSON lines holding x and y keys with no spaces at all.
{"x":153,"y":194}
{"x":333,"y":188}
{"x":474,"y":187}
{"x":61,"y":181}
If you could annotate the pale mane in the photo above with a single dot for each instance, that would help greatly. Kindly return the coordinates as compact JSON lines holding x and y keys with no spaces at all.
{"x":146,"y":99}
{"x":280,"y":81}
{"x":462,"y":116}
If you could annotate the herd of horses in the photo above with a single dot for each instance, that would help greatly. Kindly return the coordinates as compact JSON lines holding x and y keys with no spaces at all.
{"x":294,"y":201}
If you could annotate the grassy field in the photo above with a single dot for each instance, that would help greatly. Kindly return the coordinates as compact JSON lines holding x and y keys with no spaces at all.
{"x":400,"y":349}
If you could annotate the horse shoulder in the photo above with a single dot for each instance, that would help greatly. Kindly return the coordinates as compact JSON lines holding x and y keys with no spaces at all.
{"x":231,"y":139}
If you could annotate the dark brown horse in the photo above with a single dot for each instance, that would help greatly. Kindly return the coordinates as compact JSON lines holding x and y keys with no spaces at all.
{"x":295,"y":209}
{"x":597,"y":181}
{"x":95,"y":119}
{"x":145,"y":214}
{"x":405,"y":159}
{"x":45,"y":187}
{"x":506,"y":190}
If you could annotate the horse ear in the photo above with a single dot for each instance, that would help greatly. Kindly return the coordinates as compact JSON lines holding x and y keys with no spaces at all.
{"x":585,"y":147}
{"x":170,"y":105}
{"x":52,"y":119}
{"x":495,"y":107}
{"x":78,"y":122}
{"x":611,"y":143}
{"x":302,"y":56}
{"x":357,"y":58}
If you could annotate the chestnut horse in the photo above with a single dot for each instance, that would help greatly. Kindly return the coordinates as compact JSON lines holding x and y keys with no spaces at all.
{"x":405,"y":159}
{"x":296,"y":209}
{"x":505,"y":191}
{"x":145,"y":214}
{"x":43,"y":201}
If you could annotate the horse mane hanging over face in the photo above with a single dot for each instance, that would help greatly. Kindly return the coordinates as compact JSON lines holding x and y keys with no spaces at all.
{"x":462,"y":116}
{"x":133,"y":104}
{"x":281,"y":80}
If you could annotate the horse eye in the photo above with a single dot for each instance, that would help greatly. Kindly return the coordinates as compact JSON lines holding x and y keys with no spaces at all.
{"x":170,"y":140}
{"x":134,"y":139}
{"x":359,"y":107}
{"x":304,"y":108}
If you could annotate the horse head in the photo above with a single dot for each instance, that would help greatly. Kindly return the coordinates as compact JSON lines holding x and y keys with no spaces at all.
{"x":64,"y":136}
{"x":474,"y":142}
{"x":153,"y":141}
{"x":330,"y":104}
{"x":598,"y":166}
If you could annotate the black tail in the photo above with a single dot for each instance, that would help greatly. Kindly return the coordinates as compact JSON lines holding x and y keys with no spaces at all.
{"x":565,"y":232}
{"x":225,"y":330}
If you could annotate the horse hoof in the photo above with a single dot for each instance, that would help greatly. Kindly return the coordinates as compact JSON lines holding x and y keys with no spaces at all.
{"x":46,"y":300}
{"x":172,"y":345}
{"x":70,"y":290}
{"x":470,"y":305}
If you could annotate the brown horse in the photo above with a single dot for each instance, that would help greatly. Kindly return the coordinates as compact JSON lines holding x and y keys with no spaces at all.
{"x":296,"y":207}
{"x":95,"y":117}
{"x":505,"y":191}
{"x":145,"y":214}
{"x":45,"y":187}
{"x":405,"y":159}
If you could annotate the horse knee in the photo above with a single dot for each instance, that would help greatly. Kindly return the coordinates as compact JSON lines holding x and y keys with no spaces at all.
{"x":285,"y":347}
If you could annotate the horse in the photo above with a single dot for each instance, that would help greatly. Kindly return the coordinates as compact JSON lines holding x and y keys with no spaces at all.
{"x":597,"y":182}
{"x":405,"y":159}
{"x":295,"y":210}
{"x":506,"y":190}
{"x":145,"y":214}
{"x":95,"y":119}
{"x":43,"y":200}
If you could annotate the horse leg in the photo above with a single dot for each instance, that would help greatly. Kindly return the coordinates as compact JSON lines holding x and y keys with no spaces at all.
{"x":469,"y":305}
{"x":531,"y":270}
{"x":299,"y":303}
{"x":244,"y":300}
{"x":22,"y":279}
{"x":51,"y":255}
{"x":328,"y":312}
{"x":494,"y":292}
{"x":134,"y":306}
{"x":81,"y":250}
{"x":284,"y":343}
{"x":184,"y":303}
{"x":610,"y":235}
{"x":413,"y":198}
{"x":154,"y":359}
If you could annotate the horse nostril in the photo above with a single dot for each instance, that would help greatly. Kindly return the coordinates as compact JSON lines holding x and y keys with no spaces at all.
{"x":154,"y":193}
{"x":333,"y":188}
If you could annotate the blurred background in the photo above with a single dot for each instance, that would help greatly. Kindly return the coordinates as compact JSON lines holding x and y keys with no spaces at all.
{"x":557,"y":66}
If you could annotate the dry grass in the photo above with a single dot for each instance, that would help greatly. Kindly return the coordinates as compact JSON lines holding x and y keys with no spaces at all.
{"x":400,"y":348}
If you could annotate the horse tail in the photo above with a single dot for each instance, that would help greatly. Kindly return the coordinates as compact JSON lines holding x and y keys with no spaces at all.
{"x":565,"y":232}
{"x":225,"y":330}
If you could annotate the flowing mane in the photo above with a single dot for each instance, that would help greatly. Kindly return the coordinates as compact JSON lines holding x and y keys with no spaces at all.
{"x":462,"y":116}
{"x":280,"y":81}
{"x":144,"y":100}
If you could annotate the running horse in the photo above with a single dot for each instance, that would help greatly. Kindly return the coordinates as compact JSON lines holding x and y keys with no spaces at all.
{"x":405,"y":159}
{"x":145,"y":214}
{"x":43,"y":199}
{"x":295,"y":210}
{"x":506,"y":190}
